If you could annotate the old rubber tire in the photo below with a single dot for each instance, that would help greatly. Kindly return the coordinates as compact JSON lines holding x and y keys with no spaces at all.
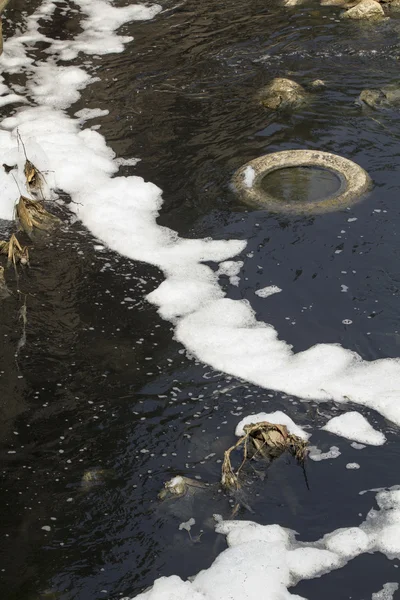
{"x":355,"y":182}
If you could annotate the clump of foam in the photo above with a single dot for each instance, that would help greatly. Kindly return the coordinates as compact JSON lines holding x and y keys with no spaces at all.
{"x":317,"y":455}
{"x":277,"y":418}
{"x":354,"y":426}
{"x":85,"y":114}
{"x":387,"y":592}
{"x":268,"y":291}
{"x":231,"y":268}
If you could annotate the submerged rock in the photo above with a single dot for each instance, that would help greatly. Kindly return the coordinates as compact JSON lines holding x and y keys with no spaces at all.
{"x":373,"y":98}
{"x":366,"y":9}
{"x":180,"y":486}
{"x":183,"y":497}
{"x":282,"y":93}
{"x":293,"y":2}
{"x":340,"y":3}
{"x":317,"y":85}
{"x":380,"y":98}
{"x":95,"y":477}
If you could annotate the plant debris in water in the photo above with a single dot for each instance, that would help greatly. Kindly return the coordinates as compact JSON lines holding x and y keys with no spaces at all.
{"x":14,"y":251}
{"x":265,"y":441}
{"x":32,"y":215}
{"x":34,"y":178}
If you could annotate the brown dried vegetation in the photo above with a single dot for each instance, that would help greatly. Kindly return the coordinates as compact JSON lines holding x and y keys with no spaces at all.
{"x":265,"y":441}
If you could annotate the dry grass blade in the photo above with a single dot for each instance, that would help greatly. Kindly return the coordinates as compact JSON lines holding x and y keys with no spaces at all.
{"x":32,"y":215}
{"x":267,"y":440}
{"x":34,"y":178}
{"x":14,"y":251}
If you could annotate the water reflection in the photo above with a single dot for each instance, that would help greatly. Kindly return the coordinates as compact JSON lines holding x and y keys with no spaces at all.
{"x":301,"y":184}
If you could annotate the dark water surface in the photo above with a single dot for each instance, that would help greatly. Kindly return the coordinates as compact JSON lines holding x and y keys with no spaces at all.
{"x":301,"y":184}
{"x":100,"y":381}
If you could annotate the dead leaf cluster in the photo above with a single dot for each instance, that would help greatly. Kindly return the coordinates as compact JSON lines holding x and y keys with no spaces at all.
{"x":264,"y":441}
{"x":32,"y":215}
{"x":14,"y":251}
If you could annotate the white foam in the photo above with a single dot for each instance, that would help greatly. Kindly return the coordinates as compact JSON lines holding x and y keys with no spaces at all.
{"x":269,"y":557}
{"x":85,"y":114}
{"x":352,"y":466}
{"x":54,"y":85}
{"x":357,"y":446}
{"x":278,"y":418}
{"x":126,"y":162}
{"x":354,"y":426}
{"x":99,"y":27}
{"x":268,"y":291}
{"x":227,"y":336}
{"x":231,"y":268}
{"x":317,"y":455}
{"x":187,"y":525}
{"x":387,"y":592}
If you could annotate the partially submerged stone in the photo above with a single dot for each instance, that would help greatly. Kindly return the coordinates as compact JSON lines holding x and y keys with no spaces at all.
{"x":373,"y":98}
{"x":380,"y":98}
{"x":181,"y":497}
{"x":96,"y":477}
{"x":282,"y":93}
{"x":293,"y":2}
{"x":317,"y":85}
{"x":366,"y":9}
{"x":340,"y":3}
{"x":180,"y":486}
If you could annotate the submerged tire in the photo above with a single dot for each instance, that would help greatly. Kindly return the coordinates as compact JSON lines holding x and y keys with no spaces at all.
{"x":354,"y":181}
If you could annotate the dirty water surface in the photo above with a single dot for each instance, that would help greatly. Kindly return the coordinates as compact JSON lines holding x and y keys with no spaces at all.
{"x":99,"y":382}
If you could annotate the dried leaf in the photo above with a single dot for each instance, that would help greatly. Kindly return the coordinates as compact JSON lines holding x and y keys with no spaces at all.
{"x":266,"y":440}
{"x":14,"y":251}
{"x":32,"y":215}
{"x":34,"y":178}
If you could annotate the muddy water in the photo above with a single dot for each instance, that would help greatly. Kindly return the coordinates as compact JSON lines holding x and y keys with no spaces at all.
{"x":100,"y":382}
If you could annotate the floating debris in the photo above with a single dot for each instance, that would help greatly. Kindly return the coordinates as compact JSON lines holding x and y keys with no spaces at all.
{"x":34,"y":178}
{"x":261,"y":440}
{"x":14,"y":251}
{"x":4,"y":291}
{"x":8,"y":168}
{"x":32,"y":215}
